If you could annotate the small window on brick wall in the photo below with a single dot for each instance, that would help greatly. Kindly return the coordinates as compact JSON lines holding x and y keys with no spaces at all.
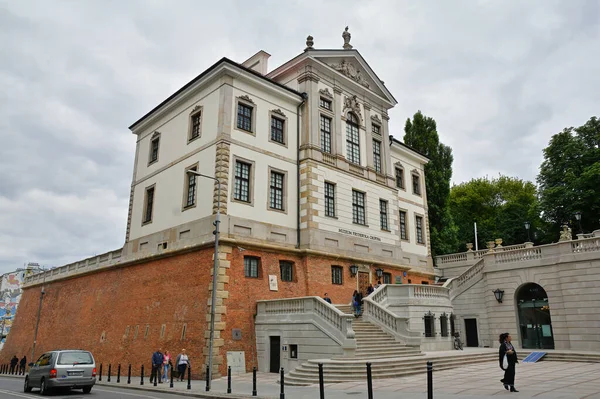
{"x":429,"y":320}
{"x":387,"y":278}
{"x":444,"y":324}
{"x":183,"y":331}
{"x":251,"y":266}
{"x":287,"y":270}
{"x":162,"y":330}
{"x":147,"y":331}
{"x":126,"y":332}
{"x":137,"y":329}
{"x":336,"y":275}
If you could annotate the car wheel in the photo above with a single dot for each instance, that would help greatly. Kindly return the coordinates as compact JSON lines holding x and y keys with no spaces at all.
{"x":26,"y":387}
{"x":43,"y":389}
{"x":87,"y":389}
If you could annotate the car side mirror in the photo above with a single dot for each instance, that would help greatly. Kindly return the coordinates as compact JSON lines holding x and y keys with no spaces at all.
{"x":30,"y":364}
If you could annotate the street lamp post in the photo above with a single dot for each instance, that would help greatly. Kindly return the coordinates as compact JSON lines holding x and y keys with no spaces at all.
{"x":214,"y":279}
{"x":578,"y":217}
{"x":527,"y":226}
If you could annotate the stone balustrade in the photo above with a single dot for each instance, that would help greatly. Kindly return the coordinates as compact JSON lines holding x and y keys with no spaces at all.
{"x":311,"y":309}
{"x":99,"y":261}
{"x":471,"y":256}
{"x":395,"y":325}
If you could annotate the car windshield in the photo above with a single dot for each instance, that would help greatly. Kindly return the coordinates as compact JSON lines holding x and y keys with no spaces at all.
{"x":75,"y":358}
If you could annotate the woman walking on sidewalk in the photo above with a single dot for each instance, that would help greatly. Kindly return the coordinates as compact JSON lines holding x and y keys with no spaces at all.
{"x":508,"y":360}
{"x":182,"y":363}
{"x":166,"y":365}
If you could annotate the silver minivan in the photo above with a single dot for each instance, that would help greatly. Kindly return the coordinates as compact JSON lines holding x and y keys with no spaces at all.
{"x":74,"y":369}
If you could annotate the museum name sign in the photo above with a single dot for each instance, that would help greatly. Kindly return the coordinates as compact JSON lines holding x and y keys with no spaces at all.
{"x":357,"y":234}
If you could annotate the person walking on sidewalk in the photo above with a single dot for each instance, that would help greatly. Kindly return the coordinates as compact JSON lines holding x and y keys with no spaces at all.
{"x":508,"y":360}
{"x":166,"y":365}
{"x":13,"y":364}
{"x":157,"y":362}
{"x":22,"y":365}
{"x":182,"y":363}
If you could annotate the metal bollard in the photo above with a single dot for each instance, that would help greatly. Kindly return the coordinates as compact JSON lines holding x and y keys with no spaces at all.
{"x":254,"y":381}
{"x":207,"y":379}
{"x":321,"y":385}
{"x":142,"y":376}
{"x":429,"y":380}
{"x":229,"y":379}
{"x":100,"y":374}
{"x":109,"y":370}
{"x":282,"y":393}
{"x":369,"y":382}
{"x":189,"y":377}
{"x":155,"y":375}
{"x":119,"y":374}
{"x":171,"y":378}
{"x":129,"y":374}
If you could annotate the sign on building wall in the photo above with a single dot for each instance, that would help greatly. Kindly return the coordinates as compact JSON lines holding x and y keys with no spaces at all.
{"x":273,"y":282}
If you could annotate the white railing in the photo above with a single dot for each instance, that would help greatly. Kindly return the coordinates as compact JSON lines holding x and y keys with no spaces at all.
{"x":312,"y":308}
{"x":518,"y":255}
{"x":388,"y":321}
{"x":586,"y":245}
{"x":444,"y":259}
{"x":95,"y":262}
{"x":469,"y":274}
{"x":465,"y":257}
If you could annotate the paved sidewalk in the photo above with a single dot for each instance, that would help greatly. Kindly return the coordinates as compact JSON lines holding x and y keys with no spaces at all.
{"x":546,"y":379}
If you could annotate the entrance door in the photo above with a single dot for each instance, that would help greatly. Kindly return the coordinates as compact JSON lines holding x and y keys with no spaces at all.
{"x":363,"y":283}
{"x":275,"y":354}
{"x":471,"y":331}
{"x":535,"y":324}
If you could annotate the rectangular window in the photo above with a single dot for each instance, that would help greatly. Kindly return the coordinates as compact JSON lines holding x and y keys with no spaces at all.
{"x":251,"y":266}
{"x":329,"y":199}
{"x":196,"y":124}
{"x":276,"y":197}
{"x":286,"y":269}
{"x":358,"y":207}
{"x":376,"y":129}
{"x":452,"y":326}
{"x":323,"y":103}
{"x":353,"y":143}
{"x":241,"y":191}
{"x":137,"y":329}
{"x":377,"y":155}
{"x":387,"y":278}
{"x":163,"y":328}
{"x":336,"y":275}
{"x":429,"y":320}
{"x":183,"y":331}
{"x":383,"y":214}
{"x":416,"y":185}
{"x":244,"y":117}
{"x":191,"y":188}
{"x":399,"y":178}
{"x":147,"y":331}
{"x":277,"y":130}
{"x":293,"y":351}
{"x":154,"y":150}
{"x":403,"y":229}
{"x":149,"y":205}
{"x":419,"y":223}
{"x":325,"y":134}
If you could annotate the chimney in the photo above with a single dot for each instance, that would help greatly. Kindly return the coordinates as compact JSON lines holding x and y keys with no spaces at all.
{"x":258,"y":62}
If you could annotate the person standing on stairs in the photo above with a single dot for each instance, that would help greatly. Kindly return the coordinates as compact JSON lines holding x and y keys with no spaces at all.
{"x":326,"y":298}
{"x":370,"y":289}
{"x":508,"y":360}
{"x":357,"y":301}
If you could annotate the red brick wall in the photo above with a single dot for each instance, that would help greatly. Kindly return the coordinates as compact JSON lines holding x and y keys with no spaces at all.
{"x":75,"y":313}
{"x":170,"y":291}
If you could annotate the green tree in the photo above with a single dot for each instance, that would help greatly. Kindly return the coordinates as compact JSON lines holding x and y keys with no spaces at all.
{"x":421,"y":134}
{"x":569,"y":178}
{"x":499,"y":206}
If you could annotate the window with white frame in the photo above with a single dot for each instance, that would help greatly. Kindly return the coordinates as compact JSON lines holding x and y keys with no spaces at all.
{"x":190,"y":187}
{"x":383,"y":214}
{"x":154,"y":146}
{"x":241,"y":190}
{"x":358,"y":207}
{"x":277,"y":132}
{"x":148,"y":205}
{"x":324,"y":103}
{"x":325,"y":134}
{"x":419,"y":227}
{"x":399,"y":177}
{"x":377,"y":155}
{"x":403,"y":227}
{"x":416,"y":183}
{"x":196,"y":125}
{"x":329,"y":199}
{"x":276,"y":191}
{"x":244,"y":117}
{"x":352,"y":139}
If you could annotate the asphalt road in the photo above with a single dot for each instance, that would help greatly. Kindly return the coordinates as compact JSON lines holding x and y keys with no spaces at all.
{"x":12,"y":388}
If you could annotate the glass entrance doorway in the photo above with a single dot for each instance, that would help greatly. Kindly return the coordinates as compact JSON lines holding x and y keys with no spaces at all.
{"x":535,"y":324}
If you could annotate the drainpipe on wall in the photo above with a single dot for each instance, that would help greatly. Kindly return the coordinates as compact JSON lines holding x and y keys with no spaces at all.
{"x":304,"y":98}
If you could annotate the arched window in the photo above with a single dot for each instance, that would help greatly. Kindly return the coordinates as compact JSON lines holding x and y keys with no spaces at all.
{"x":352,"y":139}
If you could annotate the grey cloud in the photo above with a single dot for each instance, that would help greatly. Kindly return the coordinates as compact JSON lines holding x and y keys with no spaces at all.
{"x":499,"y":78}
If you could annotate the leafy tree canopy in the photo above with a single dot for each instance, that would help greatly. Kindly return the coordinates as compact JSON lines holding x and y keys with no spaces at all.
{"x":569,"y":178}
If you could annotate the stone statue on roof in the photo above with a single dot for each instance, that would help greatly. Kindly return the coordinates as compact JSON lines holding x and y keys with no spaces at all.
{"x":346,"y":35}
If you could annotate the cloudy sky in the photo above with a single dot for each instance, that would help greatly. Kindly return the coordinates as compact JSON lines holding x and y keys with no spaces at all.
{"x":499,"y":77}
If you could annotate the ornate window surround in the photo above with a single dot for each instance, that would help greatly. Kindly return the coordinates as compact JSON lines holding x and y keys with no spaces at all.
{"x":198,"y":109}
{"x":248,"y":102}
{"x":278,"y":114}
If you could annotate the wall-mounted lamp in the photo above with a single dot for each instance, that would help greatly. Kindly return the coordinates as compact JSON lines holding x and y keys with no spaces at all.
{"x":379,"y":272}
{"x":498,"y":293}
{"x":353,"y":270}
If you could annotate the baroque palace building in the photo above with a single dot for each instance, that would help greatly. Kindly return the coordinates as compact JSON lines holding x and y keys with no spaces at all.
{"x":311,"y":183}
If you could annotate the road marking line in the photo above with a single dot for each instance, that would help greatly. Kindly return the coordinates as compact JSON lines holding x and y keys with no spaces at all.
{"x":132,"y":394}
{"x":15,"y":393}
